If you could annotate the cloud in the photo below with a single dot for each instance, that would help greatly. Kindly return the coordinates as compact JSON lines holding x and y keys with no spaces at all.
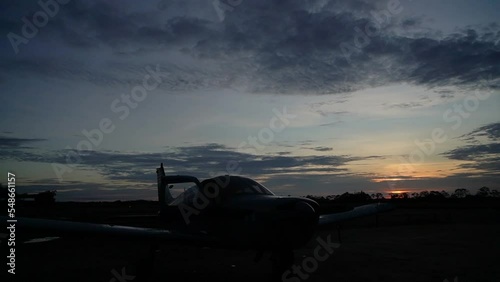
{"x":490,"y":131}
{"x":284,"y":172}
{"x":445,"y":93}
{"x":334,"y":123}
{"x":213,"y":159}
{"x":15,"y":143}
{"x":203,"y":161}
{"x":482,"y":157}
{"x":321,"y":149}
{"x":409,"y":105}
{"x":290,"y":47}
{"x":474,"y":152}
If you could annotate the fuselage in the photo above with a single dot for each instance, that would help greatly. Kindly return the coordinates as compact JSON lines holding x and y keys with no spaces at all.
{"x":247,"y":220}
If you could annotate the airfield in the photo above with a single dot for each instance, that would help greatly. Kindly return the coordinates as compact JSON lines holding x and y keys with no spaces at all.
{"x":415,"y":242}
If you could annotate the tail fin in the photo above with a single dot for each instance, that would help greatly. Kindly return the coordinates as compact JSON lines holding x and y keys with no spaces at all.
{"x":164,"y":196}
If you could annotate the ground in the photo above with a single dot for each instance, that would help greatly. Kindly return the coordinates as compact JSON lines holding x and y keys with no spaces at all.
{"x":409,"y":244}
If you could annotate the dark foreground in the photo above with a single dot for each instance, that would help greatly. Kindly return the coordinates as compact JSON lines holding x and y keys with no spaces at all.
{"x":410,"y":244}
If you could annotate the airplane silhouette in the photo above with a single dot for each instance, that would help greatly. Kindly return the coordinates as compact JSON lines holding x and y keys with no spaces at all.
{"x":230,"y":212}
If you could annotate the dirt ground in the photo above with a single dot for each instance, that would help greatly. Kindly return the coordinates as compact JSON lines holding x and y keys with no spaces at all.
{"x":408,"y":245}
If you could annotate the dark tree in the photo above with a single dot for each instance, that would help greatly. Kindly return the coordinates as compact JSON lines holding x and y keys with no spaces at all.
{"x":435,"y":196}
{"x":445,"y":194}
{"x":424,"y":194}
{"x":355,"y":197}
{"x":494,"y":193}
{"x":47,"y":197}
{"x":483,"y":192}
{"x":460,"y":193}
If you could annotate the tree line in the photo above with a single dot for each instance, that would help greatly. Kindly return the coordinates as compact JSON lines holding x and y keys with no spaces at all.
{"x":460,"y":193}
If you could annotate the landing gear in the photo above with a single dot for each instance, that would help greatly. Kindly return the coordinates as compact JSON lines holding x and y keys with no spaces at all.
{"x":282,"y":261}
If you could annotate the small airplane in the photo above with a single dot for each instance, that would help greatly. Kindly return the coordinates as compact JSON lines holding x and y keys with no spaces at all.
{"x":228,"y":211}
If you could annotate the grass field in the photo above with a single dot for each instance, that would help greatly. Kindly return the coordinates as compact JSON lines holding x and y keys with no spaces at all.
{"x":411,"y":243}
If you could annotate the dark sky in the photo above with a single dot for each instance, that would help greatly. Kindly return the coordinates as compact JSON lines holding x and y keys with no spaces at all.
{"x":307,"y":97}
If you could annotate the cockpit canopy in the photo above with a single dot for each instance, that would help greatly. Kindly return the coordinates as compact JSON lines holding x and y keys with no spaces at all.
{"x":234,"y":185}
{"x":223,"y":187}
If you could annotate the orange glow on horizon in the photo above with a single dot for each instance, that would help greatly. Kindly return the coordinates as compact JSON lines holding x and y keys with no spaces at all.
{"x":398,"y":192}
{"x":378,"y":180}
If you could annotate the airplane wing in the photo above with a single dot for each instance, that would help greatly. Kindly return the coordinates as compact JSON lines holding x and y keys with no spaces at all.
{"x":71,"y":228}
{"x":360,"y":211}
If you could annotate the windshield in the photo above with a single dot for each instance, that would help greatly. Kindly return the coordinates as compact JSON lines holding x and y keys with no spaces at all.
{"x":249,"y":186}
{"x":186,"y":197}
{"x":227,"y":186}
{"x":237,"y":185}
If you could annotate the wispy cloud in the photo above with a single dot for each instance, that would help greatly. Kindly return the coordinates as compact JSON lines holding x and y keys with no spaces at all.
{"x":202,"y":160}
{"x":490,"y":131}
{"x":16,"y":143}
{"x":484,"y":158}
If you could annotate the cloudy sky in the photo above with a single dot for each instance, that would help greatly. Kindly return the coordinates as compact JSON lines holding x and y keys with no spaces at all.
{"x":308,"y":97}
